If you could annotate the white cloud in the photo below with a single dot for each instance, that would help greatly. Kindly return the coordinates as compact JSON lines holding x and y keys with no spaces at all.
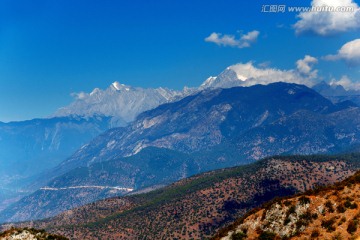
{"x":226,"y":40}
{"x":251,"y":75}
{"x":349,"y":52}
{"x":244,"y":41}
{"x":346,"y":83}
{"x":80,"y":95}
{"x":305,"y":65}
{"x":327,"y":23}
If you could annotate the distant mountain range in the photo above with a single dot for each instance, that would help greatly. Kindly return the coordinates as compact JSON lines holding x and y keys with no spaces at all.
{"x":121,"y":102}
{"x":211,"y":129}
{"x":337,"y":93}
{"x":197,"y":129}
{"x":124,"y":103}
{"x":231,"y":116}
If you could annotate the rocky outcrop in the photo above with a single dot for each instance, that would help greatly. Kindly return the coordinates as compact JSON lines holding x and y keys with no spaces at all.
{"x":331,"y":212}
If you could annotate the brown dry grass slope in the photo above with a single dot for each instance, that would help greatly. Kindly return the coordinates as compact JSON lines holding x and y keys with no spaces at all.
{"x":198,"y":207}
{"x":331,"y":213}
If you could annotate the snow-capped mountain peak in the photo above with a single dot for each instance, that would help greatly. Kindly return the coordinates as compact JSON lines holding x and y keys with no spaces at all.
{"x":120,"y":86}
{"x":248,"y":74}
{"x":227,"y":79}
{"x":208,"y":82}
{"x":125,"y":102}
{"x":95,"y":91}
{"x":120,"y":101}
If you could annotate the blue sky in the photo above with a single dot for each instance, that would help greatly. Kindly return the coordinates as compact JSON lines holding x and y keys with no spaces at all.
{"x":50,"y":49}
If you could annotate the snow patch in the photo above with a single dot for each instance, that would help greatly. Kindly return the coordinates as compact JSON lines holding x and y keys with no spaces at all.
{"x":95,"y":91}
{"x":208,"y":82}
{"x":291,"y":92}
{"x":139,"y":147}
{"x":111,"y":144}
{"x":263,"y":117}
{"x":117,"y":85}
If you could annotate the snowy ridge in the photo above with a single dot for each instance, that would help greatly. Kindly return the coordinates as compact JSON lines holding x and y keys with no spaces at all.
{"x":120,"y":101}
{"x":124,"y":103}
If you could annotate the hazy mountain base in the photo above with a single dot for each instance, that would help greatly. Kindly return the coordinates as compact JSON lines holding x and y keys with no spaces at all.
{"x":199,"y":206}
{"x":29,"y":147}
{"x":148,"y":169}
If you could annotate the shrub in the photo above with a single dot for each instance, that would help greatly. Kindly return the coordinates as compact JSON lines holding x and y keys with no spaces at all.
{"x":341,"y":208}
{"x":267,"y":236}
{"x":328,"y":224}
{"x":352,"y":227}
{"x":307,"y":216}
{"x":263,"y":215}
{"x":342,"y":220}
{"x":238,"y":236}
{"x":353,"y":206}
{"x":287,"y":221}
{"x":291,"y":210}
{"x":337,"y":237}
{"x":304,"y":200}
{"x":301,"y":223}
{"x":329,"y":206}
{"x":347,"y":203}
{"x":315,"y":233}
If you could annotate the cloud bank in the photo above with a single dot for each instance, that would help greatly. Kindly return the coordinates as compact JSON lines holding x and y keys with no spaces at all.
{"x":349,"y":52}
{"x":326,"y":23}
{"x":251,"y":75}
{"x":346,"y":83}
{"x":225,"y":40}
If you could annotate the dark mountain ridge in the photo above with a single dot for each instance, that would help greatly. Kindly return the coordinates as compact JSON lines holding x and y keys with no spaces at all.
{"x":204,"y":120}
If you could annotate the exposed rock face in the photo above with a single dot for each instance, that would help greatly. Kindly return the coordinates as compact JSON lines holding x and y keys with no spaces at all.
{"x":28,"y":234}
{"x":330,"y":213}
